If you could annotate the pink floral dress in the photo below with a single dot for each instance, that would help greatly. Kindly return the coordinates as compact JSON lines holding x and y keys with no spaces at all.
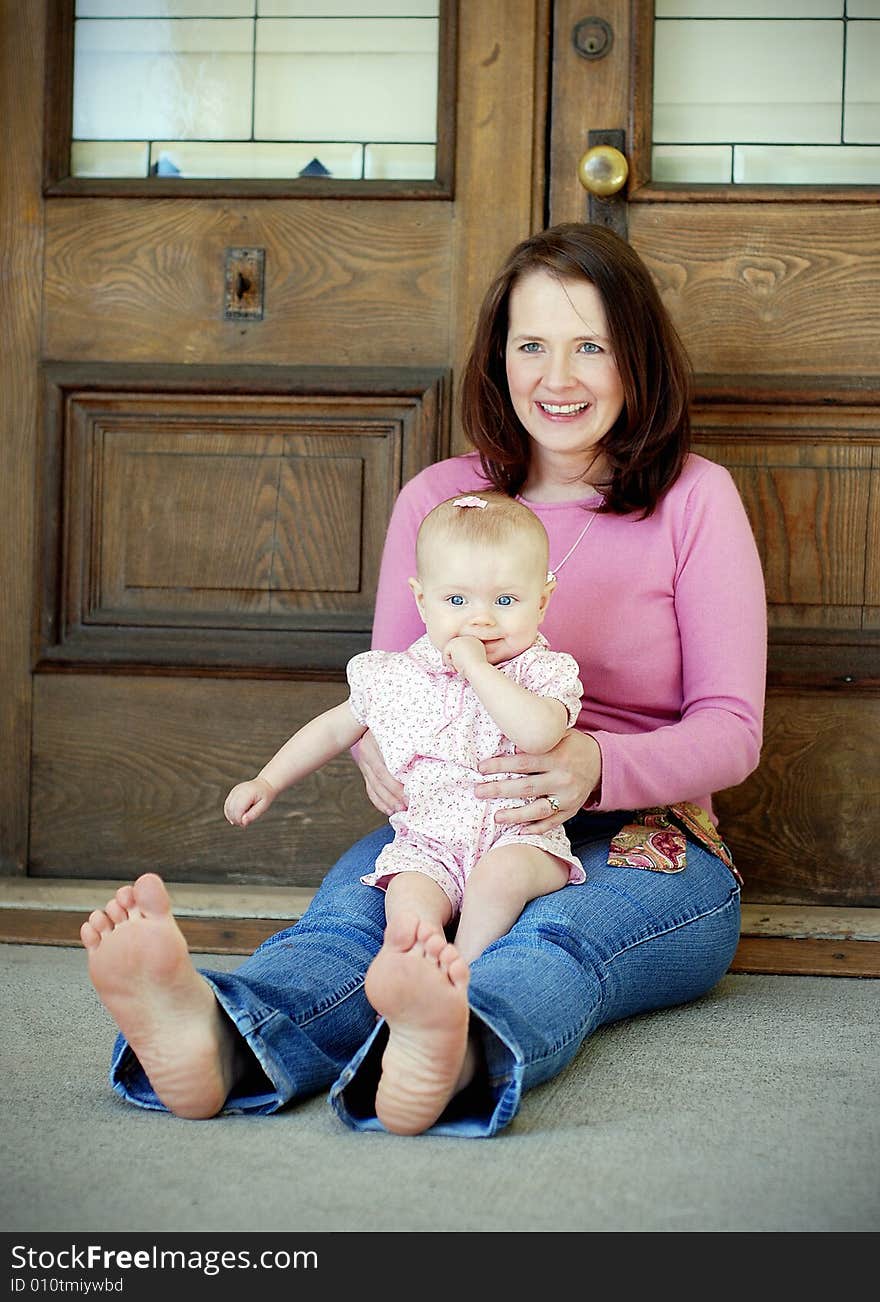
{"x":433,"y":730}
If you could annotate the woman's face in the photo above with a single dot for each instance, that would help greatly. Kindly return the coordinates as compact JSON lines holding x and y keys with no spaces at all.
{"x":563,"y":379}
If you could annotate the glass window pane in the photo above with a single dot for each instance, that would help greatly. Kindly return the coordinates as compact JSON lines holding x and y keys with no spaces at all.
{"x":371,"y":79}
{"x":693,"y":163}
{"x":862,"y":106}
{"x":247,"y":159}
{"x":165,"y":8}
{"x":400,"y":162}
{"x":806,"y":165}
{"x":144,"y":78}
{"x":730,"y":81}
{"x":749,"y":8}
{"x":348,"y":8}
{"x":109,"y":158}
{"x":783,"y":92}
{"x":349,"y":85}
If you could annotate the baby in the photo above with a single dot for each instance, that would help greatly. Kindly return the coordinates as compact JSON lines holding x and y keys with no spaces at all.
{"x":481,"y":682}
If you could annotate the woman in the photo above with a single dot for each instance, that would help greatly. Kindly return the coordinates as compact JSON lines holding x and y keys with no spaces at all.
{"x":575,"y":398}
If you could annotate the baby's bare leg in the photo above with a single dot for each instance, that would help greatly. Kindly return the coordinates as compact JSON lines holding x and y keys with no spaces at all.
{"x":414,"y":893}
{"x":499,"y":888}
{"x":140,"y":966}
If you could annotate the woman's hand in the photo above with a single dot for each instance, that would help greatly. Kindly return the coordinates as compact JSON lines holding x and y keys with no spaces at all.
{"x":570,"y":773}
{"x":384,"y":791}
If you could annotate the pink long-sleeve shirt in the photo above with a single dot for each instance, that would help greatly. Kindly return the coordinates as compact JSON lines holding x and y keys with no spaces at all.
{"x":665,"y":616}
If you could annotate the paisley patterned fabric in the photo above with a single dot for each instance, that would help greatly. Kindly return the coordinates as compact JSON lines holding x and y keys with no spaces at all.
{"x":658,"y":841}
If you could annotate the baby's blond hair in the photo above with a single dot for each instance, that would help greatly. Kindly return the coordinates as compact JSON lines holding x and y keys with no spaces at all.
{"x":502,"y":520}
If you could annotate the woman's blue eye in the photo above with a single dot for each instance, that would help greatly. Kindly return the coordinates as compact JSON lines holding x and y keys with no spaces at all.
{"x":505,"y":601}
{"x":456,"y":600}
{"x":530,"y":348}
{"x":588,"y":346}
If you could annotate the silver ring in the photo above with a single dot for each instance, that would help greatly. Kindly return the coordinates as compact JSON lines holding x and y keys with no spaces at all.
{"x":553,"y":803}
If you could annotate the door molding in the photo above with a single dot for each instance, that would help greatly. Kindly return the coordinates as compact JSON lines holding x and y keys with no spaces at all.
{"x":286,"y":477}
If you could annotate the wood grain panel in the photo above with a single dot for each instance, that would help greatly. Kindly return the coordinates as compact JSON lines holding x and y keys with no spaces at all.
{"x":767,"y":288}
{"x":130,"y":774}
{"x":320,"y":514}
{"x":872,"y":567}
{"x":256,"y":515}
{"x":835,"y":958}
{"x":21,"y":245}
{"x":813,"y":529}
{"x":173,"y":518}
{"x":184,"y":529}
{"x":501,"y":118}
{"x":347,"y":282}
{"x":803,"y":828}
{"x":808,"y":505}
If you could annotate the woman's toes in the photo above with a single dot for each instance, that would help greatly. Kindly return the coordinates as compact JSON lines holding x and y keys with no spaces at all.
{"x":100,"y":921}
{"x":125,"y":896}
{"x":89,"y":936}
{"x":116,"y":913}
{"x":151,"y":896}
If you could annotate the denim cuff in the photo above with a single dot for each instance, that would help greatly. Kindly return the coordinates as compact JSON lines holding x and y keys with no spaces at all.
{"x":480,"y":1110}
{"x":265,"y":1088}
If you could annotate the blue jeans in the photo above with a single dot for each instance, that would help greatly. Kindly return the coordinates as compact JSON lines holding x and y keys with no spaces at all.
{"x":624,"y":942}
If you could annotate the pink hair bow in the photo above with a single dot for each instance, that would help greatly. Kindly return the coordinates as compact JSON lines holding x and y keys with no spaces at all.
{"x":470,"y":501}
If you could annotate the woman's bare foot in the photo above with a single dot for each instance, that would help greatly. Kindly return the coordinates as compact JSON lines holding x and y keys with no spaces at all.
{"x":418,"y":983}
{"x":140,"y":966}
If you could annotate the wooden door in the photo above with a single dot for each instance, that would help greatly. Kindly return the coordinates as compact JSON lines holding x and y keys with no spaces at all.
{"x":776,"y":293}
{"x":149,"y":656}
{"x":194,"y":502}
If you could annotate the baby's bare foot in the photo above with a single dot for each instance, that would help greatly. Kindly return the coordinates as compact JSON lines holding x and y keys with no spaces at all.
{"x":418,"y":983}
{"x":140,"y":966}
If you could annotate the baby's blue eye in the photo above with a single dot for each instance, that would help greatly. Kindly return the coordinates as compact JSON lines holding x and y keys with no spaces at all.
{"x":505,"y":601}
{"x":456,"y":600}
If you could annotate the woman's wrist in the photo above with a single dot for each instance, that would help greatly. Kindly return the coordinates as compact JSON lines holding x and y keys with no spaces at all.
{"x":595,"y":794}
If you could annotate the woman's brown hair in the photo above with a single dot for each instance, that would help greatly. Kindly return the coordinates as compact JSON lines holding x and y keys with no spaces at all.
{"x":646,"y":447}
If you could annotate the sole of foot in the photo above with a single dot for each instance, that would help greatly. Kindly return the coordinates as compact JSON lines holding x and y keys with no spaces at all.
{"x":140,"y":966}
{"x":418,"y":983}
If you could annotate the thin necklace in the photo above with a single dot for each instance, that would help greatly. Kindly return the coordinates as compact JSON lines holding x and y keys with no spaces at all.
{"x":552,"y":573}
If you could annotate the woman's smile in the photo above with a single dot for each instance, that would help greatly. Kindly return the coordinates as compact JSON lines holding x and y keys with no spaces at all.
{"x":562,"y":411}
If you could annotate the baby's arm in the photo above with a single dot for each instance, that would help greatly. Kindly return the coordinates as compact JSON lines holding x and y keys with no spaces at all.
{"x":307,"y":750}
{"x":534,"y":723}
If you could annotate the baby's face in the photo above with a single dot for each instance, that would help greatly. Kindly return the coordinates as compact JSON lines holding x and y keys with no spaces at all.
{"x":497,"y":594}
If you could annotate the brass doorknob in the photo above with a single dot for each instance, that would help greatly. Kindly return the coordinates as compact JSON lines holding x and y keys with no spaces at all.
{"x":603,"y":170}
